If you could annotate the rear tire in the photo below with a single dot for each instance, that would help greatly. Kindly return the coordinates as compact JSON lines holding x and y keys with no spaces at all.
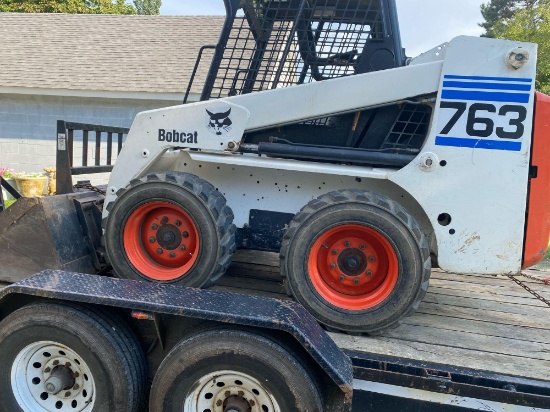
{"x":170,"y":227}
{"x":218,"y":367}
{"x":356,"y":260}
{"x":102,"y":367}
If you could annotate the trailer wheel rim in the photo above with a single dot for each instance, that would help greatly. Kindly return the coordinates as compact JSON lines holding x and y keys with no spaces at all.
{"x":353,"y":267}
{"x":161,"y":241}
{"x":229,"y":390}
{"x":31,"y":379}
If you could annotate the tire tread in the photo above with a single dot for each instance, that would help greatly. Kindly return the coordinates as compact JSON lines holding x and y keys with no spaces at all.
{"x":373,"y":199}
{"x":213,"y":200}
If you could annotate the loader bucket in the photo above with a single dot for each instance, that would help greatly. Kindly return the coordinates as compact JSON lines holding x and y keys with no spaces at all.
{"x":46,"y":233}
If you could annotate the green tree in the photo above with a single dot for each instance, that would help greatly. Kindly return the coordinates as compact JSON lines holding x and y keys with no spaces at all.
{"x":496,"y":11}
{"x":531,"y":24}
{"x":147,"y":6}
{"x":67,"y":6}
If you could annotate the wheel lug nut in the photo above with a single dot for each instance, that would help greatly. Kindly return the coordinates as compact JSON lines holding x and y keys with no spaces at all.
{"x":185,"y":234}
{"x":68,"y":364}
{"x":47,"y":370}
{"x":219,"y":403}
{"x":369,"y":273}
{"x":356,"y":281}
{"x":362,"y":247}
{"x":342,"y":278}
{"x":76,"y":386}
{"x":347,"y":243}
{"x":172,"y":255}
{"x":164,"y":220}
{"x":152,"y":239}
{"x":333,"y":266}
{"x":227,"y":394}
{"x":178,"y":223}
{"x":159,"y":251}
{"x":56,"y":362}
{"x":251,"y":402}
{"x":76,"y":375}
{"x":154,"y":226}
{"x":67,"y":394}
{"x":335,"y":252}
{"x":371,"y":259}
{"x":182,"y":248}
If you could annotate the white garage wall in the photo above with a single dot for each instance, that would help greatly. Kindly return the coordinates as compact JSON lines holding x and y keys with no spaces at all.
{"x":28,"y":125}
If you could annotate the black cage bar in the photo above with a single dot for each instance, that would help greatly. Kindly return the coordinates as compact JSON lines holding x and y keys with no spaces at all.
{"x":268,"y":44}
{"x":91,"y":135}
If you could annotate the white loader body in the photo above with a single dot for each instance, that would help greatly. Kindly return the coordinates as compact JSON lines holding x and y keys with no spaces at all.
{"x":467,"y":187}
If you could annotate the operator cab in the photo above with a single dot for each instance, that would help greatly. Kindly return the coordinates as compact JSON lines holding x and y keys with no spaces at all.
{"x":271,"y":44}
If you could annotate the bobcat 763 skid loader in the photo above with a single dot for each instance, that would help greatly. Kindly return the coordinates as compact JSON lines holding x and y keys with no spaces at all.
{"x":316,"y":136}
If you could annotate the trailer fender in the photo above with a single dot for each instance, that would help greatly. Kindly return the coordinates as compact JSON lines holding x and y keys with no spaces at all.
{"x":224,"y":307}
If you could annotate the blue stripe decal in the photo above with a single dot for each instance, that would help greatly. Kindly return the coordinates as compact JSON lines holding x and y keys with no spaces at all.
{"x":485,"y":96}
{"x":478,"y":143}
{"x":496,"y":79}
{"x":491,"y":86}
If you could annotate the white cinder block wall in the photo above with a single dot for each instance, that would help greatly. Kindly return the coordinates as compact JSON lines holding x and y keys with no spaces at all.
{"x":28,"y":126}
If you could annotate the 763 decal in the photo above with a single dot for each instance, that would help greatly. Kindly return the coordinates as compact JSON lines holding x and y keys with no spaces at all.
{"x":481,"y":122}
{"x":483,"y":112}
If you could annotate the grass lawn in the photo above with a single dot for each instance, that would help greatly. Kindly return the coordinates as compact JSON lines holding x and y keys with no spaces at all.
{"x":8,"y":203}
{"x":547,"y":256}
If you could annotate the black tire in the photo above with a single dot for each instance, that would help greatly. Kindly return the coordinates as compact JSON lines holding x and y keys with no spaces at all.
{"x":401,"y":278}
{"x":234,"y":360}
{"x":131,"y":346}
{"x":201,"y":254}
{"x":107,"y":350}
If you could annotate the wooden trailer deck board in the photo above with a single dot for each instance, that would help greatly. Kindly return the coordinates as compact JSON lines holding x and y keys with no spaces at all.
{"x":478,"y":322}
{"x":486,"y":323}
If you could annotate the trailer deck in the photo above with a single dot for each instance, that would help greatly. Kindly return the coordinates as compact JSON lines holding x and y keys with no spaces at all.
{"x":477,"y":322}
{"x":476,"y":342}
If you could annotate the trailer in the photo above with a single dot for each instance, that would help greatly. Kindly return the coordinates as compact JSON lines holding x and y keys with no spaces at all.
{"x":467,"y":348}
{"x":375,"y":176}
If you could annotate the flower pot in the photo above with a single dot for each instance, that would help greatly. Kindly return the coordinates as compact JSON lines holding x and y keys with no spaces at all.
{"x":52,"y":180}
{"x":31,"y":186}
{"x":5,"y":193}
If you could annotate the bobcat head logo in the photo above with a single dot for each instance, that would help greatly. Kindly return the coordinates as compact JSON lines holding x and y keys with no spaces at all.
{"x":219,"y":123}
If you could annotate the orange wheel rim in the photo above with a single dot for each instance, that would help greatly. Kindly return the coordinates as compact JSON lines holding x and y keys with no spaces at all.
{"x":353,"y":267}
{"x":161,"y":241}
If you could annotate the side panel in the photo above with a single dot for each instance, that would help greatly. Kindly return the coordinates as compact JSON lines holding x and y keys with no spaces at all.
{"x":538,"y":213}
{"x":276,"y":189}
{"x":480,"y":145}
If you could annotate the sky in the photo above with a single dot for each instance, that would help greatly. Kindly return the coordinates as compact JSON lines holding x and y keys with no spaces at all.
{"x":424,"y":23}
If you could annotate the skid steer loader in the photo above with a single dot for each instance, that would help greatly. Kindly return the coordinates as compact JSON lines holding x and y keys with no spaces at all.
{"x":317,"y":137}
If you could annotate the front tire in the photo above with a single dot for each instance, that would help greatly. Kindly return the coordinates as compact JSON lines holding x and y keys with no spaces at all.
{"x":170,"y":227}
{"x":233,"y":368}
{"x":356,"y":260}
{"x":68,"y":358}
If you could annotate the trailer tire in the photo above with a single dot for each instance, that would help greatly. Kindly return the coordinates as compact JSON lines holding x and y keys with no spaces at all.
{"x":170,"y":227}
{"x":220,"y":366}
{"x":357,"y":260}
{"x":96,"y":362}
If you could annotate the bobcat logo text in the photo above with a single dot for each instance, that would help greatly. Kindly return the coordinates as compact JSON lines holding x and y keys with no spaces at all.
{"x":175,"y":136}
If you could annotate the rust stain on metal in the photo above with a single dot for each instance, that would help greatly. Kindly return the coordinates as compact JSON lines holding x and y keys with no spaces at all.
{"x":472,"y":239}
